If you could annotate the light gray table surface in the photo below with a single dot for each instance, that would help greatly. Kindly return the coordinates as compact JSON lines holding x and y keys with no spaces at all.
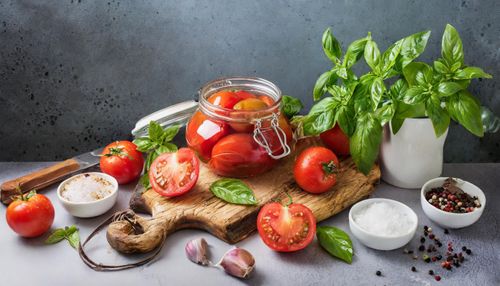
{"x":30,"y":262}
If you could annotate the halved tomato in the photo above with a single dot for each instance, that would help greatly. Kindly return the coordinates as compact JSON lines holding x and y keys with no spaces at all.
{"x":286,"y":228}
{"x":238,"y":155}
{"x":202,"y":133}
{"x":173,"y":174}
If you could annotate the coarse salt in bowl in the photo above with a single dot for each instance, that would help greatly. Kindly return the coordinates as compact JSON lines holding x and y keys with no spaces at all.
{"x":382,"y":224}
{"x":88,"y":194}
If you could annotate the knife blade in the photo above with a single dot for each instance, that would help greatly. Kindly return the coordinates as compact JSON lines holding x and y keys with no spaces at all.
{"x":47,"y":176}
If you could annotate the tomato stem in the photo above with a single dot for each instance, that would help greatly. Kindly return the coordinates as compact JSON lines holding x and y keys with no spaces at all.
{"x":290,"y":200}
{"x":117,"y":151}
{"x":329,"y":167}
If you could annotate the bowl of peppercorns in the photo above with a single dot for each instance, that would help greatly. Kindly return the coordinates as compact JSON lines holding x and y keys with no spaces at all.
{"x":452,"y":202}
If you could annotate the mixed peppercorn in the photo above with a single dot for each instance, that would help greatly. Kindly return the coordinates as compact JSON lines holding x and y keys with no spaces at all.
{"x":450,"y":198}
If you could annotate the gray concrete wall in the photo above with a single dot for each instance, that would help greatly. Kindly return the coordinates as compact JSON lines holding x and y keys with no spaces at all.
{"x":75,"y":75}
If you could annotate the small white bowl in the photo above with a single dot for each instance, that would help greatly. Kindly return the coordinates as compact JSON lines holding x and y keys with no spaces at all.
{"x":447,"y":219}
{"x":94,"y":208}
{"x":381,"y":242}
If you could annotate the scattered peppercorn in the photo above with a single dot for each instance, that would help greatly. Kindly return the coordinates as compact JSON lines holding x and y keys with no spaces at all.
{"x":378,"y":273}
{"x":421,"y":248}
{"x":426,"y":227}
{"x":437,"y":277}
{"x":422,"y":239}
{"x":413,"y":269}
{"x":468,"y":251}
{"x":426,"y":258}
{"x":410,"y":252}
{"x":431,"y":272}
{"x":464,"y":248}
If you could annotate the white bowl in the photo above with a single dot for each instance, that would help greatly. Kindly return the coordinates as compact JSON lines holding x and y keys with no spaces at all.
{"x":94,"y":208}
{"x":381,"y":242}
{"x":447,"y":219}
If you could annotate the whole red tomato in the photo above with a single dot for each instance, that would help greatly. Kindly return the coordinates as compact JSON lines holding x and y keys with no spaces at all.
{"x":315,"y":170}
{"x":238,"y":155}
{"x":286,"y":228}
{"x":173,"y":174}
{"x":224,"y":98}
{"x":122,"y":161}
{"x":336,"y":140}
{"x":202,"y":133}
{"x":30,"y":215}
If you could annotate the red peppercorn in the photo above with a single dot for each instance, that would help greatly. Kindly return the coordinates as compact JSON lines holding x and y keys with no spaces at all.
{"x":437,"y":277}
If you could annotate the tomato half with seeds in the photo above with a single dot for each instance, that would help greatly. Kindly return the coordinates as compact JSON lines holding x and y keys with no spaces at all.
{"x":286,"y":228}
{"x":173,"y":174}
{"x":315,"y":169}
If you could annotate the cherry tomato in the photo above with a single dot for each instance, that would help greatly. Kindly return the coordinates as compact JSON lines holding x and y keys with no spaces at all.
{"x":286,"y":228}
{"x":315,"y":170}
{"x":30,"y":215}
{"x":173,"y":174}
{"x":225,"y":99}
{"x":244,"y":94}
{"x":267,"y":99}
{"x":336,"y":140}
{"x":202,"y":133}
{"x":122,"y":161}
{"x":249,"y":104}
{"x":238,"y":155}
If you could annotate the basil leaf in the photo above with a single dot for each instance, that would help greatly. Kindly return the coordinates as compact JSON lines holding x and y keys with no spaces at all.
{"x":448,"y":88}
{"x":233,"y":191}
{"x":149,"y":160}
{"x":331,"y":46}
{"x":290,"y":106}
{"x":318,"y":123}
{"x":345,"y":119}
{"x":415,"y":95}
{"x":339,"y":93}
{"x":403,"y":111}
{"x":439,"y":117}
{"x":365,"y":142}
{"x":336,"y":242}
{"x":144,"y":144}
{"x":398,"y":90}
{"x":74,"y":239}
{"x":376,"y":91}
{"x":411,"y":48}
{"x":354,"y":52}
{"x":464,"y":109}
{"x":169,"y":133}
{"x":326,"y":79}
{"x":390,"y":55}
{"x":441,"y":67}
{"x":470,"y":73}
{"x":451,"y":47}
{"x":418,"y":73}
{"x":372,"y":55}
{"x":155,"y":132}
{"x":144,"y":180}
{"x":56,"y":236}
{"x":165,"y":148}
{"x":340,"y":71}
{"x":385,"y":112}
{"x":361,"y":95}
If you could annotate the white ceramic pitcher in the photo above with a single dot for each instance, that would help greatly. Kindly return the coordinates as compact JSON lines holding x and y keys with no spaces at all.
{"x":413,"y":156}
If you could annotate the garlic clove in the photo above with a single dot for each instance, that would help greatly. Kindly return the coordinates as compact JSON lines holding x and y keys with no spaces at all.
{"x":196,"y":251}
{"x":238,"y":262}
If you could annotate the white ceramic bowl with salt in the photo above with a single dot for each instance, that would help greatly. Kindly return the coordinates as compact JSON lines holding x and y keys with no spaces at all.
{"x":382,"y":224}
{"x":88,"y":194}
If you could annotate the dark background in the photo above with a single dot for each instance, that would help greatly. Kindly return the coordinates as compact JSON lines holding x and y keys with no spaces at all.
{"x":75,"y":75}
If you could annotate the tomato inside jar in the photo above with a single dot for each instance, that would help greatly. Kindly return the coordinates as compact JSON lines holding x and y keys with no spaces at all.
{"x":238,"y":129}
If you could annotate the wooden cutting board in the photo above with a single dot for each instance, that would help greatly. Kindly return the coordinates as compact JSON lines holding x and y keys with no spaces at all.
{"x":202,"y":210}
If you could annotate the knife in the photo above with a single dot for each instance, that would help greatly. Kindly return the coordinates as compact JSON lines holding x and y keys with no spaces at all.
{"x":49,"y":175}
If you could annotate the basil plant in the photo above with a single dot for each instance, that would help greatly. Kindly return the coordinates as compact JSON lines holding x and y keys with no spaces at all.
{"x":395,"y":88}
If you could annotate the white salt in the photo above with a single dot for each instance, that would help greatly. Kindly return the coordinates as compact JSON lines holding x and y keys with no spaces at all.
{"x":381,"y":218}
{"x":86,"y":188}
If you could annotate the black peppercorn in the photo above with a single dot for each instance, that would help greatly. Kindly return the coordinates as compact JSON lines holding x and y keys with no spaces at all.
{"x":431,"y":272}
{"x":446,"y":231}
{"x":422,"y":239}
{"x":464,"y":248}
{"x":378,"y":273}
{"x":413,"y":269}
{"x":468,"y":251}
{"x":421,"y":247}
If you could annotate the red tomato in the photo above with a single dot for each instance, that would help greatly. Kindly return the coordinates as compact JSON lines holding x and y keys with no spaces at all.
{"x":202,"y":133}
{"x":244,"y":94}
{"x":336,"y":140}
{"x":122,"y":161}
{"x":286,"y":228}
{"x":173,"y":174}
{"x":315,"y":170}
{"x":238,"y":155}
{"x":272,"y":137}
{"x":225,"y":99}
{"x":31,"y":215}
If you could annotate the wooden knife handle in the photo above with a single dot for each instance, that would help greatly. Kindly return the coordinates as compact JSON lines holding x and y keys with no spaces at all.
{"x":37,"y":180}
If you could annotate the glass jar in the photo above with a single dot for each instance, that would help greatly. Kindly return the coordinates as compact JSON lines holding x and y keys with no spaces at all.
{"x":238,"y":129}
